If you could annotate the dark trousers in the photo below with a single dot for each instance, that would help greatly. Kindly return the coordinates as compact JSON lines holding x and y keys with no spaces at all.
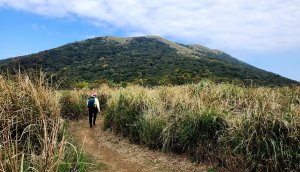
{"x":92,"y":115}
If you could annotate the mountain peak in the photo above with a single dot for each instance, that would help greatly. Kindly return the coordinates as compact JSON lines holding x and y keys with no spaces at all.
{"x":121,"y":40}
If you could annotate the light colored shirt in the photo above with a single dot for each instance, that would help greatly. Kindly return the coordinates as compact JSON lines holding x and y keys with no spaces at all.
{"x":96,"y":103}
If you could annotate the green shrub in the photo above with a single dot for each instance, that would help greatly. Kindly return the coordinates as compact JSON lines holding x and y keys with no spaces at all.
{"x":150,"y":130}
{"x":267,"y":143}
{"x":103,"y":98}
{"x":73,"y":105}
{"x":124,"y":115}
{"x":81,"y":85}
{"x":186,"y":133}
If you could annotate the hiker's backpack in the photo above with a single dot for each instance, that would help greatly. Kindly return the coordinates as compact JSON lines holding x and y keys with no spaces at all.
{"x":91,"y":102}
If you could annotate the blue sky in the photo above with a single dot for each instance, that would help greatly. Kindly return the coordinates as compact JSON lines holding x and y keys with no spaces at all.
{"x":265,"y":33}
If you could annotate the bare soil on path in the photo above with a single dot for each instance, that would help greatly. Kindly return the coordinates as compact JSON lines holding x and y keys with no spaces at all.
{"x":120,"y":155}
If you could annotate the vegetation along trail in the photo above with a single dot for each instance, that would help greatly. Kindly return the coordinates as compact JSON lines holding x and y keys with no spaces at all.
{"x":119,"y":155}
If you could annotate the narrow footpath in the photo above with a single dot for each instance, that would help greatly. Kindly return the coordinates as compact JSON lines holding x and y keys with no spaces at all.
{"x":118,"y":154}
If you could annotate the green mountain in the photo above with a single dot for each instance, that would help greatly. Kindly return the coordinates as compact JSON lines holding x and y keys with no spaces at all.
{"x":147,"y":60}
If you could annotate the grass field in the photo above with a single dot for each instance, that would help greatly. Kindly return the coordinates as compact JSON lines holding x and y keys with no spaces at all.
{"x":231,"y":126}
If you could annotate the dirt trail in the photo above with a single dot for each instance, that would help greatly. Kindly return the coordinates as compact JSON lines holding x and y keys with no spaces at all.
{"x":119,"y":155}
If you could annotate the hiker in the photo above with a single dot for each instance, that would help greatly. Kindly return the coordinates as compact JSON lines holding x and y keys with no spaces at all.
{"x":94,"y":108}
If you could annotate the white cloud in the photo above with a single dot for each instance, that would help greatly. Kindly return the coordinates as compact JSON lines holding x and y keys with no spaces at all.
{"x":226,"y":24}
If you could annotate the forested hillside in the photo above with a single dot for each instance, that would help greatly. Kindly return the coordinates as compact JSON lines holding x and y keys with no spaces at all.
{"x":141,"y":60}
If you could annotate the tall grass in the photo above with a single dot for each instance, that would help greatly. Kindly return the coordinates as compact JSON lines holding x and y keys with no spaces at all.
{"x":74,"y":102}
{"x":267,"y":135}
{"x":31,"y":129}
{"x":73,"y":106}
{"x":31,"y":135}
{"x":250,"y":128}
